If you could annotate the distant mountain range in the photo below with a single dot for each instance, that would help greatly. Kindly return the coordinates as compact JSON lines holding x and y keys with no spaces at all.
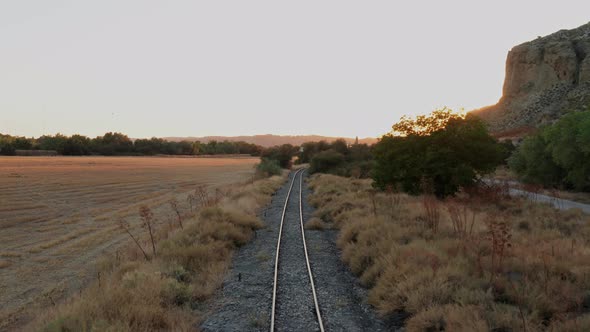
{"x":271,"y":140}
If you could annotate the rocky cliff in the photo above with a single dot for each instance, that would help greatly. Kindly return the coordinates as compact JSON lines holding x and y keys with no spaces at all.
{"x":545,"y":78}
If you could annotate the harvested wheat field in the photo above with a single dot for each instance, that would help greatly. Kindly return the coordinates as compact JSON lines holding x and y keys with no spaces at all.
{"x":58,"y":214}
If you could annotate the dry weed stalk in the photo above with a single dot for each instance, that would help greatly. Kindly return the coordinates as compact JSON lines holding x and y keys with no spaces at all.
{"x":395,"y":201}
{"x":432,"y":208}
{"x":499,"y":235}
{"x":174,"y":205}
{"x":203,"y":196}
{"x":125,"y":226}
{"x":462,"y":224}
{"x":373,"y":196}
{"x":479,"y":252}
{"x":520,"y":303}
{"x":147,"y":217}
{"x":191,"y":199}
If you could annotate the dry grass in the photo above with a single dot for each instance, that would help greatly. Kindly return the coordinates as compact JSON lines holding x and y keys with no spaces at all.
{"x":135,"y":294}
{"x":315,"y":224}
{"x":59,"y":214}
{"x":471,"y":264}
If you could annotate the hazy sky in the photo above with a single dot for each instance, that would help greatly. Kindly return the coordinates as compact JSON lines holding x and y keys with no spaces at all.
{"x":194,"y":68}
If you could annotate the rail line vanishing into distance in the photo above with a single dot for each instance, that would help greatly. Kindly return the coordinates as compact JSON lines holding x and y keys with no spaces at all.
{"x":277,"y":267}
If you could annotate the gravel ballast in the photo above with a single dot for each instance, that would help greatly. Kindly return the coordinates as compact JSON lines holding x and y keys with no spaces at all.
{"x":244,"y":303}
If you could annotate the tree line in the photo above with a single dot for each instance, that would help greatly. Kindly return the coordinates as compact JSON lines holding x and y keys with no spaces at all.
{"x":113,"y":143}
{"x":437,"y":154}
{"x":444,"y":152}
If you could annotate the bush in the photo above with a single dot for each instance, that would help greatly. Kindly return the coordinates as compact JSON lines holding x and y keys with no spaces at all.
{"x":438,"y":154}
{"x":7,"y":149}
{"x":283,"y":154}
{"x":557,"y":155}
{"x":326,"y":161}
{"x":268,"y":167}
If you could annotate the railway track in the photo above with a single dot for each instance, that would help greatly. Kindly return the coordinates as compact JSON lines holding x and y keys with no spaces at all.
{"x":288,"y":272}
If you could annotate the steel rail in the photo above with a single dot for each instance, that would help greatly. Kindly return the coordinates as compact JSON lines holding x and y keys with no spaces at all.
{"x":276,"y":269}
{"x":315,"y":297}
{"x":276,"y":272}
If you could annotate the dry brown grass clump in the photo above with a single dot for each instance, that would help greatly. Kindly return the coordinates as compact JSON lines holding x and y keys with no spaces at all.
{"x":186,"y":266}
{"x":475,"y":263}
{"x":315,"y":224}
{"x":4,"y":263}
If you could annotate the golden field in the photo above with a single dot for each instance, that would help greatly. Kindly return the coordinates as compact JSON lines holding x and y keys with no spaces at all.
{"x":58,"y":214}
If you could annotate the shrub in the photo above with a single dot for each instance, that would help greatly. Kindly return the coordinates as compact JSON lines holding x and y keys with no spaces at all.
{"x":326,"y":162}
{"x":283,"y":154}
{"x":438,"y":154}
{"x":268,"y":167}
{"x":557,"y":155}
{"x":7,"y":149}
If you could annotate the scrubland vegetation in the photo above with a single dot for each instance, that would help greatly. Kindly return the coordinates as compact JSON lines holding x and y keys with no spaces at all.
{"x":479,"y":261}
{"x":162,"y":284}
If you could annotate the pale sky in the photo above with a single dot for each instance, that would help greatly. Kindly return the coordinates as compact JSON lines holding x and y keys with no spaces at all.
{"x":219,"y":67}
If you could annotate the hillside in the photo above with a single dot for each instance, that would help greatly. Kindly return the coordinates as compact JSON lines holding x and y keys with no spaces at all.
{"x":545,"y":78}
{"x":270,"y":140}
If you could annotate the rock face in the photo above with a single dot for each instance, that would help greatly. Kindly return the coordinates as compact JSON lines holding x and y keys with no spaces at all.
{"x":545,"y":78}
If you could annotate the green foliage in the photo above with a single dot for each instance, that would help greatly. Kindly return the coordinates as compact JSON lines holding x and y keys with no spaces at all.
{"x":77,"y":145}
{"x":438,"y":153}
{"x":309,"y":149}
{"x":113,"y":144}
{"x":283,"y":154}
{"x":22,"y":143}
{"x":268,"y":167}
{"x":7,"y":149}
{"x":326,"y":161}
{"x":557,"y":155}
{"x":424,"y":125}
{"x":337,"y":158}
{"x":48,"y":142}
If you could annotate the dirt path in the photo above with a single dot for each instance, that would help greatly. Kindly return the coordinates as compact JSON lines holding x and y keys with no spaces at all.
{"x":558,"y":203}
{"x":245,"y":301}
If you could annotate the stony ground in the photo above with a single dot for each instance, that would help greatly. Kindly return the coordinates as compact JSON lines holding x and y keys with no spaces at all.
{"x":244,"y":303}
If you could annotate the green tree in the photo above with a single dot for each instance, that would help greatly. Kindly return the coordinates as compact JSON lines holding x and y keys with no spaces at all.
{"x":47,"y":142}
{"x":22,"y":143}
{"x":557,"y":155}
{"x":113,"y":144}
{"x":7,"y":148}
{"x":76,"y":145}
{"x":439,"y":153}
